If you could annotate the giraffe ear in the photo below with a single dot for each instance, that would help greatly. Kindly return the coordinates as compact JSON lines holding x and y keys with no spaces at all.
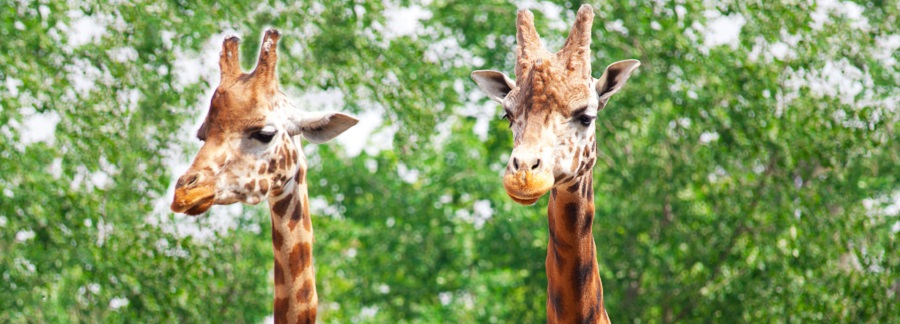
{"x":320,"y":127}
{"x":495,"y":85}
{"x":613,"y":79}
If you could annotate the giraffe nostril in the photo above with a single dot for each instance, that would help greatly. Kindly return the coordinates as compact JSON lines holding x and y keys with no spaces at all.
{"x":536,"y":164}
{"x":192,"y":180}
{"x":515,"y":164}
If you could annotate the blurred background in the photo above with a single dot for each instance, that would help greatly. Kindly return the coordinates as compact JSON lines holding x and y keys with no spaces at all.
{"x":749,"y":170}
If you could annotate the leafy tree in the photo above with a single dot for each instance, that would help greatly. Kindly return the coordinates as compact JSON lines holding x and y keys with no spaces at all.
{"x":752,"y":178}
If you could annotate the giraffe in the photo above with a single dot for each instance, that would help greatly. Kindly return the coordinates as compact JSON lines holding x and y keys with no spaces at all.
{"x":551,"y":108}
{"x":251,"y":152}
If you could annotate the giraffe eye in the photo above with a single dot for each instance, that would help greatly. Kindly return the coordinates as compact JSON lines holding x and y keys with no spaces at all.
{"x":507,"y":116}
{"x":586,"y":119}
{"x":265,"y":135}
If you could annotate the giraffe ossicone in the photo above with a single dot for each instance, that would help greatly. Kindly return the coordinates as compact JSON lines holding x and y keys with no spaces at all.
{"x":551,"y":108}
{"x":252,"y":152}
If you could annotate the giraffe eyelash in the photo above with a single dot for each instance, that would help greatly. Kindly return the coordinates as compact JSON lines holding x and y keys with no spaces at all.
{"x":508,"y":116}
{"x":585,"y":119}
{"x":264,"y":135}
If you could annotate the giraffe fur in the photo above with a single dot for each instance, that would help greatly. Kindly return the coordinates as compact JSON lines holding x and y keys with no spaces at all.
{"x":552,"y":106}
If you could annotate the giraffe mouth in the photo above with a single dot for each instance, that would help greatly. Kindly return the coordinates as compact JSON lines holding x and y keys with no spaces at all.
{"x":525,"y":187}
{"x":526,"y":202}
{"x":193,"y":202}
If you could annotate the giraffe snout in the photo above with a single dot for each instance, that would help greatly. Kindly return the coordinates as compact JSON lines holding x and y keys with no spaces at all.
{"x":193,"y":194}
{"x":522,"y":161}
{"x":525,"y":164}
{"x":189,"y":180}
{"x":527,"y":177}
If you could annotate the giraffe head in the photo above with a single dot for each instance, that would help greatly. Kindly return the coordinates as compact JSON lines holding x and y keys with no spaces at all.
{"x":551,"y":107}
{"x":249,"y":150}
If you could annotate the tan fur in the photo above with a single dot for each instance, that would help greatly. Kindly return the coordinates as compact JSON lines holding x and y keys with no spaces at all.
{"x":232,"y":166}
{"x":551,"y":106}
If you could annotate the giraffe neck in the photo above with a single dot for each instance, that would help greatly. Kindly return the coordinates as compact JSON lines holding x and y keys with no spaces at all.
{"x":574,"y":290}
{"x":296,"y":300}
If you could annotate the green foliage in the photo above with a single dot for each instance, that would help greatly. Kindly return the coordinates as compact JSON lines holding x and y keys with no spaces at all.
{"x":733,"y":182}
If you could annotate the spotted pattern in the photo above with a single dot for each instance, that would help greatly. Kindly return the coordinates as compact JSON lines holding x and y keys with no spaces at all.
{"x":237,"y":163}
{"x":575,"y":292}
{"x":551,"y":111}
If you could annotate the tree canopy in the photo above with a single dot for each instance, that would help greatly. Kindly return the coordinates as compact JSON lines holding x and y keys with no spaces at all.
{"x":750,"y":169}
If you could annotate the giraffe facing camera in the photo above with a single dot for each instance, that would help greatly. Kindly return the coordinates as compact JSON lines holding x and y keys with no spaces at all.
{"x":551,"y":108}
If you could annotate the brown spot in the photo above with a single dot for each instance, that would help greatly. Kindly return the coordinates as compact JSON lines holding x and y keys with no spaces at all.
{"x":276,"y":191}
{"x":301,"y":175}
{"x":591,"y":316}
{"x":583,"y":274}
{"x":571,"y":215}
{"x":288,"y":157}
{"x":588,"y":222}
{"x":279,"y":273}
{"x":262,"y":169}
{"x":296,"y":215}
{"x":307,"y":221}
{"x":558,"y":178}
{"x":281,"y":309}
{"x":272,"y":165}
{"x":264,"y":186}
{"x":588,"y":191}
{"x":308,"y":316}
{"x":554,"y":249}
{"x":305,"y":293}
{"x":551,"y":223}
{"x":574,"y":187}
{"x":300,"y":258}
{"x":250,"y":186}
{"x":575,"y":158}
{"x":280,"y":207}
{"x":276,"y":180}
{"x":277,"y":238}
{"x":557,"y":302}
{"x":292,"y":223}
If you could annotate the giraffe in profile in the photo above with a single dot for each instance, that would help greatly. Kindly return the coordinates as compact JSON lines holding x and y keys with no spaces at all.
{"x":551,"y":108}
{"x":251,"y":151}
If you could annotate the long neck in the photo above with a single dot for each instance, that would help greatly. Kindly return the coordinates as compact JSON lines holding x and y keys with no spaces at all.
{"x":296,"y":300}
{"x":574,"y":290}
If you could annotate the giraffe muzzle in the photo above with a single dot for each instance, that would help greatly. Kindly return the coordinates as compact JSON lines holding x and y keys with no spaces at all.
{"x":193,"y":194}
{"x":526,"y":187}
{"x":193,"y":201}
